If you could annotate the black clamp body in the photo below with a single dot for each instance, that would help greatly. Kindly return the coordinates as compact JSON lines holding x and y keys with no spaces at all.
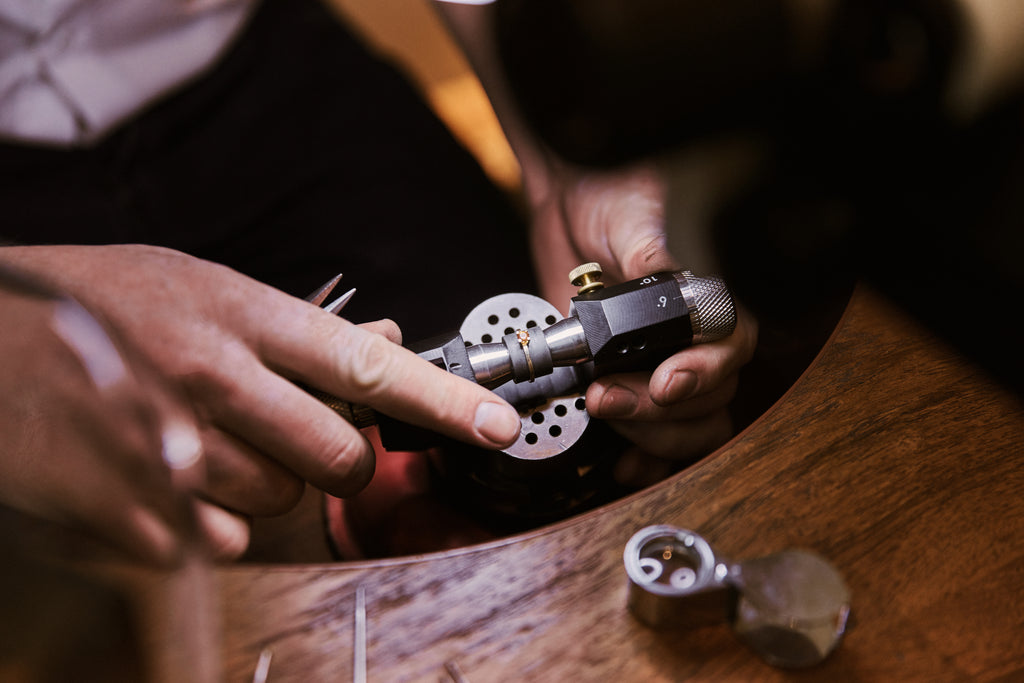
{"x":634,"y":325}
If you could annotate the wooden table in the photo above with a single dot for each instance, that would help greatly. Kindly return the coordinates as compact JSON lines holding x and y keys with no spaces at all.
{"x":891,"y":456}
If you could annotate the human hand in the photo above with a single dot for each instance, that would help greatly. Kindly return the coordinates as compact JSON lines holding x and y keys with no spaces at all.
{"x":235,"y":349}
{"x":85,"y":426}
{"x":616,"y":219}
{"x":680,"y":411}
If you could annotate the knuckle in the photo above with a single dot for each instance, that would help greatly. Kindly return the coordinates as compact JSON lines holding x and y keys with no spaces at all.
{"x":366,"y":364}
{"x":348,"y":468}
{"x":212,"y":385}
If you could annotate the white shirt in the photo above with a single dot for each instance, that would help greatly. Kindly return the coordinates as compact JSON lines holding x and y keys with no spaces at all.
{"x":70,"y":70}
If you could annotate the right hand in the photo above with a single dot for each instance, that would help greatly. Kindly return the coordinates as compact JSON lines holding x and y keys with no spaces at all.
{"x":235,"y":348}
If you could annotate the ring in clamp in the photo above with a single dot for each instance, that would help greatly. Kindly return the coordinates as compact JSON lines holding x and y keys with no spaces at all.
{"x":523,"y":337}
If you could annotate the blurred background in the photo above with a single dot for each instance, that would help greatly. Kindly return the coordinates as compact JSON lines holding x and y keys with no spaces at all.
{"x":410,"y":32}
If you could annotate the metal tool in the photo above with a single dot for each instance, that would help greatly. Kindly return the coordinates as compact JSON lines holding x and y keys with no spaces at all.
{"x":318,"y":297}
{"x":790,"y":607}
{"x":552,"y":410}
{"x":521,"y":347}
{"x":454,"y":672}
{"x":263,"y":666}
{"x":626,"y":327}
{"x":359,"y":638}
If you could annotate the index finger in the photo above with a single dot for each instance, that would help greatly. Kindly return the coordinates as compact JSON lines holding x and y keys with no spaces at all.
{"x":358,"y":365}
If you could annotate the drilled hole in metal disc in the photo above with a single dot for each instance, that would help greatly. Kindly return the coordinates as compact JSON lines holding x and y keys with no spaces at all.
{"x":554,"y":401}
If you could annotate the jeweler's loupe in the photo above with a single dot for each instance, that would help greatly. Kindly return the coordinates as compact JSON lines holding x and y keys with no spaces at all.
{"x":790,"y":607}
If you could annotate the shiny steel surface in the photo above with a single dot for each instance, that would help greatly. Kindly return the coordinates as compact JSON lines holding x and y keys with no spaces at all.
{"x":567,"y":342}
{"x":675,"y":580}
{"x":491,"y":364}
{"x":551,"y":407}
{"x":712,"y":313}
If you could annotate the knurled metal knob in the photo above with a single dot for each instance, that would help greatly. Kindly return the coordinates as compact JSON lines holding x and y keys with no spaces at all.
{"x":587,"y":277}
{"x":712,"y":311}
{"x":358,"y":415}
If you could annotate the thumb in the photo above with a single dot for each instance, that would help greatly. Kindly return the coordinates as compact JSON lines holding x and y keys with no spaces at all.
{"x":643,"y":252}
{"x":636,"y":237}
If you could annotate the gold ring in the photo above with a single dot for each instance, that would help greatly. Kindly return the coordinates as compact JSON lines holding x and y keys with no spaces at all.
{"x":524,"y":341}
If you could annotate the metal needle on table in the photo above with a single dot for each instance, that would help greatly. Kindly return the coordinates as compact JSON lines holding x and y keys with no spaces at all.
{"x":359,"y":644}
{"x":262,"y":667}
{"x":454,"y":672}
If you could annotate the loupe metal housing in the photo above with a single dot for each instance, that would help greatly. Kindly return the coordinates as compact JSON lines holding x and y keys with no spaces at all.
{"x":790,"y":607}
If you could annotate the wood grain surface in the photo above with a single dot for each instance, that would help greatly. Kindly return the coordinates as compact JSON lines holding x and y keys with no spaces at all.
{"x":891,"y":456}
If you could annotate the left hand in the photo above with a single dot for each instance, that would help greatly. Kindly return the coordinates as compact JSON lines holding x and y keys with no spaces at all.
{"x":616,"y":218}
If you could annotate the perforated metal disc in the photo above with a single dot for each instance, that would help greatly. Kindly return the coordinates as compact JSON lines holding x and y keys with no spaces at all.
{"x":551,"y":408}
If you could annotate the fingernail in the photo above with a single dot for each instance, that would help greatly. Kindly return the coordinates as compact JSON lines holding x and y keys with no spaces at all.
{"x":497,"y":423}
{"x":617,"y":401}
{"x":680,"y":385}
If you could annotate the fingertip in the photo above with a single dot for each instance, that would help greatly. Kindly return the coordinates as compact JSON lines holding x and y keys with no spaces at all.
{"x":497,"y":423}
{"x":612,"y":401}
{"x":225,"y":534}
{"x":391,"y":330}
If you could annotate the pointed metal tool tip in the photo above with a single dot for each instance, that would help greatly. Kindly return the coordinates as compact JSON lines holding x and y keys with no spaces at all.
{"x":339,"y":303}
{"x":321,"y":294}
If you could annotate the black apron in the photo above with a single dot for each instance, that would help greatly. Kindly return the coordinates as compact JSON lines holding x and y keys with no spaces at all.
{"x":300,"y":155}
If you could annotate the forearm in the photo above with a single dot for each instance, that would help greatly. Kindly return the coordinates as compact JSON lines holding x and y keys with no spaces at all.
{"x":473,"y":27}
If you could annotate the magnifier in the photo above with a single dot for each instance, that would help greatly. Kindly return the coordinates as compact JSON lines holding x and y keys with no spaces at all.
{"x":790,"y":607}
